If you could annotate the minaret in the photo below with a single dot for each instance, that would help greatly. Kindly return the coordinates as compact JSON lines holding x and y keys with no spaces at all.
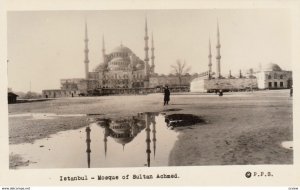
{"x":209,"y":60}
{"x":218,"y":57}
{"x":88,"y":145}
{"x":241,"y":76}
{"x":229,"y":76}
{"x":86,"y":53}
{"x":152,"y":54}
{"x":103,"y":49}
{"x":146,"y":38}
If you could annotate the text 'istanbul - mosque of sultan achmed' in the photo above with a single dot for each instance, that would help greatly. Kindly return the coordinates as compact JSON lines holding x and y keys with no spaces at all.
{"x":122,"y":72}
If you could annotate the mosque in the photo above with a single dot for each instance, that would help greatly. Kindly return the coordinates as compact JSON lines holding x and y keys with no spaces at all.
{"x":270,"y":76}
{"x":121,"y":71}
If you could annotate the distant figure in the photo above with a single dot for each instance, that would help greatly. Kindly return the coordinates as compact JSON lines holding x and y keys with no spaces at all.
{"x":291,"y":92}
{"x":220,"y":92}
{"x":166,"y":95}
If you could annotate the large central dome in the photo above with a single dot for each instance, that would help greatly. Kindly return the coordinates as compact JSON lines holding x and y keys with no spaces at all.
{"x":121,"y":49}
{"x":119,"y":58}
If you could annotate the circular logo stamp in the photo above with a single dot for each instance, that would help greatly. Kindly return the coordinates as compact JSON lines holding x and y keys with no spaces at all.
{"x":248,"y":174}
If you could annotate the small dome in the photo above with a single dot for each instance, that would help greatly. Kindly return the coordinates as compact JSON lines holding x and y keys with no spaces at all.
{"x":271,"y":67}
{"x":140,"y":66}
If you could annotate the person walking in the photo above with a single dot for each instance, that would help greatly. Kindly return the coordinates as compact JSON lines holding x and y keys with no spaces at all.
{"x":166,"y":95}
{"x":220,"y":92}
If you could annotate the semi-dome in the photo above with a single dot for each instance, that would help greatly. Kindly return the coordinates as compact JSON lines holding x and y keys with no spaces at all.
{"x":271,"y":67}
{"x":100,"y":67}
{"x":119,"y":63}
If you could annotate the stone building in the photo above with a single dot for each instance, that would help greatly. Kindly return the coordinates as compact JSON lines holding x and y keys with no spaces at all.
{"x":271,"y":76}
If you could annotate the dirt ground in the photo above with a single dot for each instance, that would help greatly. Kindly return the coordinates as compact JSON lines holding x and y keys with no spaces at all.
{"x":240,"y":128}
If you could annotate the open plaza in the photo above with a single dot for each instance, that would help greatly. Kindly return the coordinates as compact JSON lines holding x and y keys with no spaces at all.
{"x":239,"y":128}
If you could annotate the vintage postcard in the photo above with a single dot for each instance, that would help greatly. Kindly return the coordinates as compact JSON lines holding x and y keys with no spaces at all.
{"x":150,"y":93}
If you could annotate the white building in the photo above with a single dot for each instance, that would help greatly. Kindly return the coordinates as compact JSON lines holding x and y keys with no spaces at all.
{"x":271,"y":76}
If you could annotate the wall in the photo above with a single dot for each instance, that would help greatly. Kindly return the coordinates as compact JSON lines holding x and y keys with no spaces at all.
{"x":170,"y":80}
{"x":57,"y":93}
{"x":204,"y":85}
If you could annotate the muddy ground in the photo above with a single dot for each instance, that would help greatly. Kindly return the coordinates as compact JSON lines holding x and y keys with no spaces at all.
{"x":239,"y":128}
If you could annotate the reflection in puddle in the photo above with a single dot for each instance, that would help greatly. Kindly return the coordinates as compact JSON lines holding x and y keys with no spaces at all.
{"x":142,"y":140}
{"x":287,"y":144}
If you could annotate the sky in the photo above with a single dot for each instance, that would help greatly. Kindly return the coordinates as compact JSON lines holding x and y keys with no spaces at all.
{"x":46,"y":46}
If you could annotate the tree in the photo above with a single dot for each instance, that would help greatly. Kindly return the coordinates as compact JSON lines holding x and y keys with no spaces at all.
{"x":180,"y":69}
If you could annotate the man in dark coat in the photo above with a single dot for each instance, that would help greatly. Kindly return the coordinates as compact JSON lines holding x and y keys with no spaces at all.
{"x":166,"y":95}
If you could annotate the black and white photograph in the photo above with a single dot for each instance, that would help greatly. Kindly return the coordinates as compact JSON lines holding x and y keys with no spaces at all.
{"x":150,"y":88}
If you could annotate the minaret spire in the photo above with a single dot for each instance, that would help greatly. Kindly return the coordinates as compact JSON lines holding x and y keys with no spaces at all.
{"x":218,"y":57}
{"x":152,"y":54}
{"x":209,"y":60}
{"x":103,"y":49}
{"x":86,"y":52}
{"x":146,"y":38}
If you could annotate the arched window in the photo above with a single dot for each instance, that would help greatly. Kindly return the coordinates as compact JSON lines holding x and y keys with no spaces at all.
{"x":269,"y":77}
{"x":281,"y":76}
{"x":275,"y":76}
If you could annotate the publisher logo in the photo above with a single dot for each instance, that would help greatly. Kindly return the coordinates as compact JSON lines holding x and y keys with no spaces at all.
{"x":248,"y":174}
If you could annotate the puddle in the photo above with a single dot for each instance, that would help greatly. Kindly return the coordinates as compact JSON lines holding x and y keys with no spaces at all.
{"x":181,"y":120}
{"x":38,"y":116}
{"x":287,"y":144}
{"x":173,"y":109}
{"x":143,"y":140}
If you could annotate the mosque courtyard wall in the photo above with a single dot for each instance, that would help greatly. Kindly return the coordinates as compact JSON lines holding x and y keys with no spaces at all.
{"x":225,"y":84}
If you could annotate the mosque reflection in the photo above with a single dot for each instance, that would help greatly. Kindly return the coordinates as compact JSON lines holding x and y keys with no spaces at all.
{"x":124,"y":130}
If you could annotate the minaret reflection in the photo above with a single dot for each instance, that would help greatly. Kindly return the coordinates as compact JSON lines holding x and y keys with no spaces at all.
{"x":88,"y":145}
{"x":154,"y":134}
{"x":148,"y":141}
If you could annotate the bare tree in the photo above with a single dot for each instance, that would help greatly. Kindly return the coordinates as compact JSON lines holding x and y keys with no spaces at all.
{"x":180,"y":69}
